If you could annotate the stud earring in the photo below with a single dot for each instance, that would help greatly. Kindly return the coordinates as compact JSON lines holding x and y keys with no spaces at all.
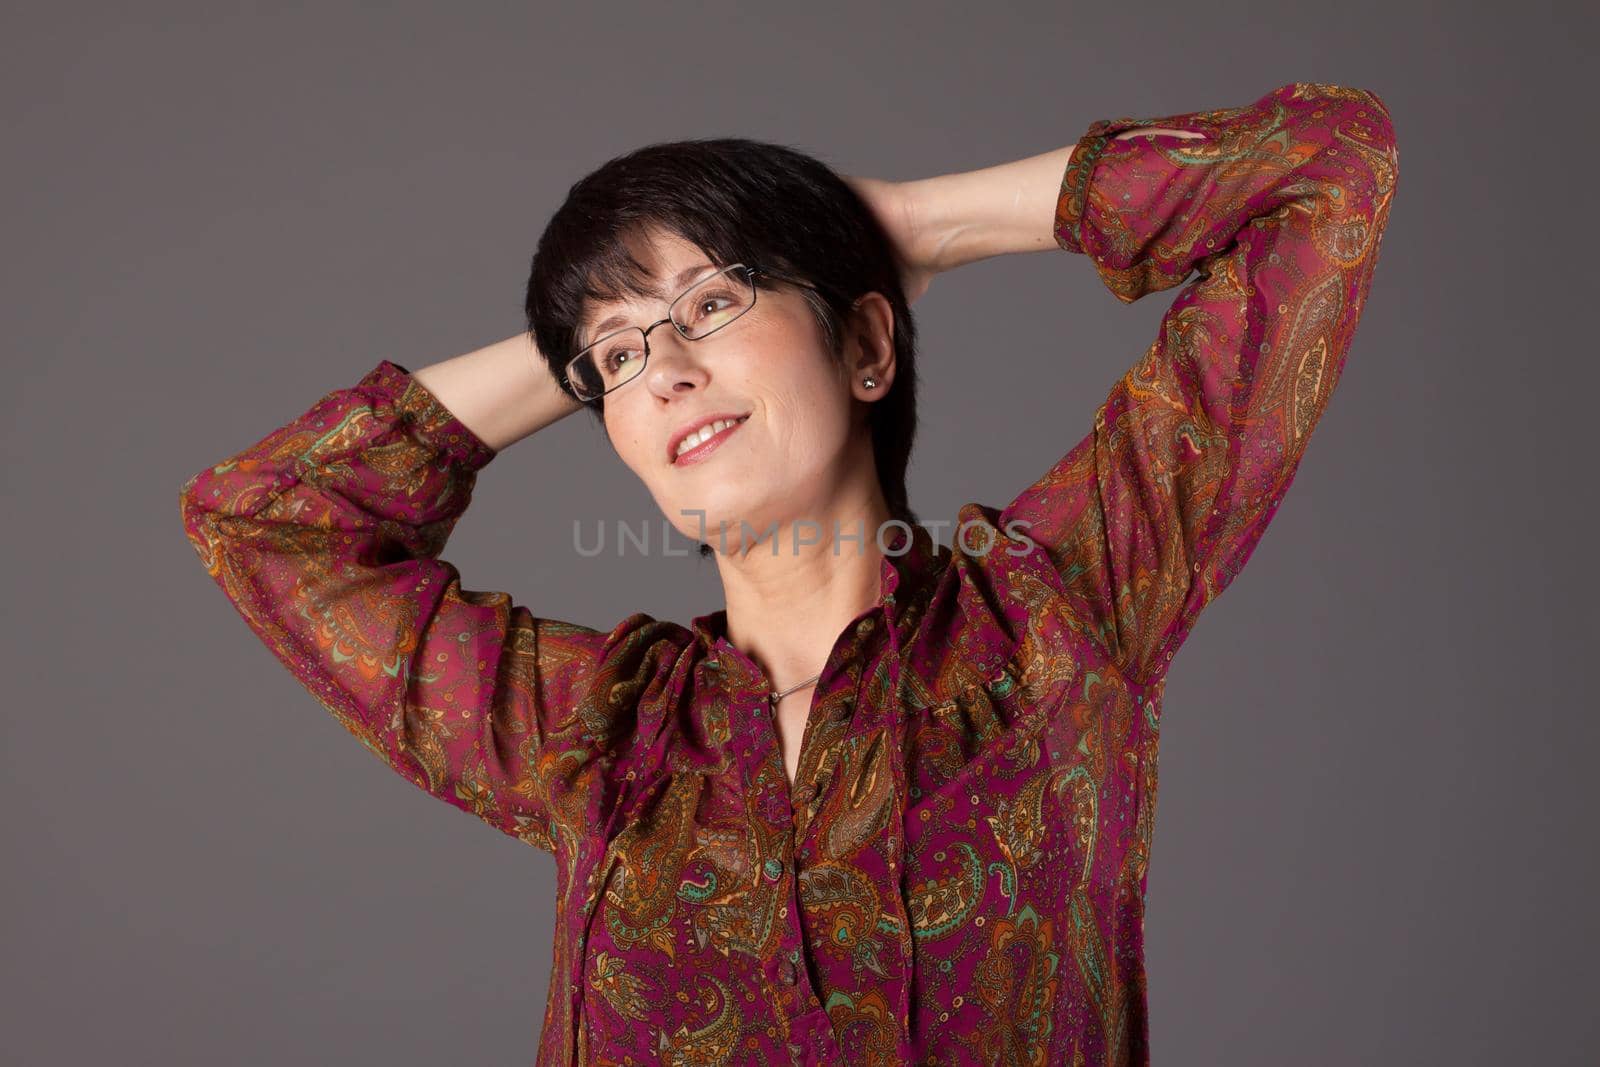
{"x":870,"y":382}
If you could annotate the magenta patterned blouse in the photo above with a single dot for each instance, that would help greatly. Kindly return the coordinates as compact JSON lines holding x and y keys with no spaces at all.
{"x":958,"y":874}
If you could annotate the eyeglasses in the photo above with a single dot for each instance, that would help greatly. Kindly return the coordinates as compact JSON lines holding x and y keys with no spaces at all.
{"x":699,"y":311}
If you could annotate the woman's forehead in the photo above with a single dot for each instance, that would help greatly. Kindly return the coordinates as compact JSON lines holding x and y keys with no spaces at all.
{"x":665,"y":258}
{"x":663,"y":264}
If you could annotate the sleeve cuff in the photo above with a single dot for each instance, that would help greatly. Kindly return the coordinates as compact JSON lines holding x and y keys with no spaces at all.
{"x":1075,"y":183}
{"x":1098,"y":143}
{"x":429,"y":419}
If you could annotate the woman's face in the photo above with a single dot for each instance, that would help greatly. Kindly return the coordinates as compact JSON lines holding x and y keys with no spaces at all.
{"x":803,"y":437}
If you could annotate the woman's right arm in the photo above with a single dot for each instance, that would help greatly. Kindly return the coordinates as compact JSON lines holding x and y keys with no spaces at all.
{"x":502,"y":392}
{"x":325,"y":536}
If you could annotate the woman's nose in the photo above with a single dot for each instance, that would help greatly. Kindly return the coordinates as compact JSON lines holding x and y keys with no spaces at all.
{"x":673,"y":359}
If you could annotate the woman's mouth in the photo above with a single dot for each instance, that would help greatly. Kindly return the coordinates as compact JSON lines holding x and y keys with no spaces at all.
{"x":697,"y":446}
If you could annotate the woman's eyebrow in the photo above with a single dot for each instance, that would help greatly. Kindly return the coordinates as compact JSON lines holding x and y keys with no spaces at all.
{"x":685,"y":276}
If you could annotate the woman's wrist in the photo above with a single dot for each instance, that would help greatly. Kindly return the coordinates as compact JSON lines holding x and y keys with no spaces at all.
{"x":502,"y":392}
{"x":964,"y":217}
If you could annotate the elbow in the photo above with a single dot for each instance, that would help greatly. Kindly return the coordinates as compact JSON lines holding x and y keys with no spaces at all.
{"x":188,"y":504}
{"x":1346,"y":110}
{"x":1379,"y":119}
{"x":201,"y":520}
{"x":1372,"y":125}
{"x":197,"y":527}
{"x":1378,"y":123}
{"x":1359,"y":151}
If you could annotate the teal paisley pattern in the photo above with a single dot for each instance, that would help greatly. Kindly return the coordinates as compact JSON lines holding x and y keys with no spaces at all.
{"x":958,"y":873}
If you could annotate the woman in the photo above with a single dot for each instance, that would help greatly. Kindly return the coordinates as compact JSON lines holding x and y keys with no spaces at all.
{"x":893,"y":803}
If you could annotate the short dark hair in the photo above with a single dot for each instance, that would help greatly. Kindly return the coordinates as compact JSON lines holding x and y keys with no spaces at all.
{"x":738,"y":200}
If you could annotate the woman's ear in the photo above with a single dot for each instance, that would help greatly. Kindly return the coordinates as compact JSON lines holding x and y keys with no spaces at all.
{"x":869,"y":346}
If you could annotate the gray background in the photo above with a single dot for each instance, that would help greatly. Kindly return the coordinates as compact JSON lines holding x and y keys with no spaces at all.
{"x":1375,"y":839}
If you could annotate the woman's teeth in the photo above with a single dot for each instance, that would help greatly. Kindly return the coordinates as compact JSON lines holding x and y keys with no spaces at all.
{"x":705,"y":433}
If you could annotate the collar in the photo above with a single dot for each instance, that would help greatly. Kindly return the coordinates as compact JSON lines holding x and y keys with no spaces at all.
{"x":910,"y":561}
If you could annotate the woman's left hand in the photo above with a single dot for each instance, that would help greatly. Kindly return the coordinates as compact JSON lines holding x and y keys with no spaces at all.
{"x":895,"y":208}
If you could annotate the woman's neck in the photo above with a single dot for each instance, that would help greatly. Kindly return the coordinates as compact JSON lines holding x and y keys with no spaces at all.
{"x":788,"y":600}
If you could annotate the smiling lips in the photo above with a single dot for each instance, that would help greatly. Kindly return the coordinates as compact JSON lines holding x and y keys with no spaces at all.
{"x":702,"y":442}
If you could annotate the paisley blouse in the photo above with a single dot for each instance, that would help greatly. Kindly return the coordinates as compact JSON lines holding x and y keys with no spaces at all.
{"x":958,"y":873}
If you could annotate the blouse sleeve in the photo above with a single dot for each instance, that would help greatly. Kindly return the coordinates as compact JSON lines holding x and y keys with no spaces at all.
{"x":1278,"y":207}
{"x":325,"y":535}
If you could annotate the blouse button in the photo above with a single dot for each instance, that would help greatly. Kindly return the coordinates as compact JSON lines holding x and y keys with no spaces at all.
{"x":773,"y":870}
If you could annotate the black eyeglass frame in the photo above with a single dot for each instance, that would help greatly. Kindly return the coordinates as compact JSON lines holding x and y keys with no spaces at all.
{"x":750,"y":275}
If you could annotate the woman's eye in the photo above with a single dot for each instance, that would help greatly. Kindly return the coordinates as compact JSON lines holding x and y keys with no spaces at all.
{"x":707,"y":306}
{"x":617,"y":357}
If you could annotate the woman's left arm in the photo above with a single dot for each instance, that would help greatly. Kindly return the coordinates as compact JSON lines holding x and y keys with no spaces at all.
{"x":939,"y":224}
{"x":1279,"y":206}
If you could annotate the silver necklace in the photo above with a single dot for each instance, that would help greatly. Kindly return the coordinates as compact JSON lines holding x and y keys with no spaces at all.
{"x":775,"y":697}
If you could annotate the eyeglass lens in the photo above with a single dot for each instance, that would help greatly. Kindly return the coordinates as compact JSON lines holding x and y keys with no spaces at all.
{"x":707,"y":306}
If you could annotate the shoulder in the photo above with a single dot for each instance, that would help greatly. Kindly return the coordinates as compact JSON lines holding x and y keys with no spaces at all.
{"x":642,"y":646}
{"x":994,"y":617}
